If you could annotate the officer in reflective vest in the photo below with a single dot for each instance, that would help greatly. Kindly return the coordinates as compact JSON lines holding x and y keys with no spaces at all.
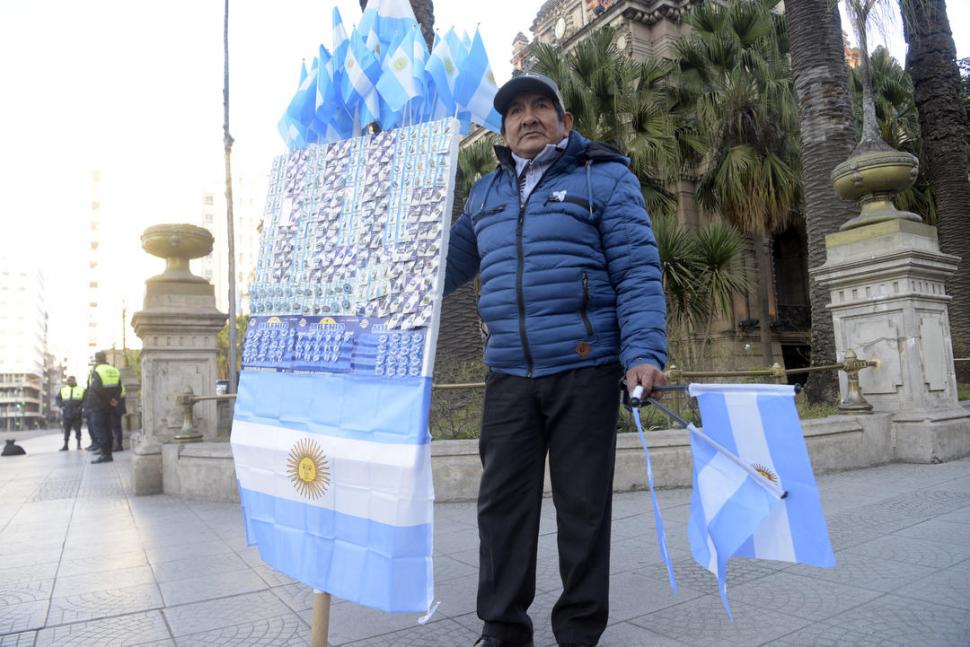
{"x":104,"y":392}
{"x":70,"y":400}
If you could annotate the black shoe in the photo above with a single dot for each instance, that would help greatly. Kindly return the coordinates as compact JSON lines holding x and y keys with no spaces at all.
{"x":102,"y":459}
{"x":491,"y":641}
{"x":91,"y":448}
{"x":64,"y":448}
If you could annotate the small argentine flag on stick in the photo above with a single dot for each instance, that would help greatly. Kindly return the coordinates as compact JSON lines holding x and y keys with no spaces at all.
{"x":754,"y":490}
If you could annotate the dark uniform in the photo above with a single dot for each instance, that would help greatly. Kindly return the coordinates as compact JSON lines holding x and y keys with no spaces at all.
{"x":104,"y":391}
{"x":71,"y":401}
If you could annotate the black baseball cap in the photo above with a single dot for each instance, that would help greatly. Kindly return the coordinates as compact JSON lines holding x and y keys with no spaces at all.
{"x":524,"y":83}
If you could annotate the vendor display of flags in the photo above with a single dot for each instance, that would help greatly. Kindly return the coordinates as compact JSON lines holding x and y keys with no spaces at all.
{"x":383,"y":73}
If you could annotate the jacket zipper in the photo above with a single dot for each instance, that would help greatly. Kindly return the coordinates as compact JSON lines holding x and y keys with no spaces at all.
{"x":520,"y":271}
{"x":583,"y":309}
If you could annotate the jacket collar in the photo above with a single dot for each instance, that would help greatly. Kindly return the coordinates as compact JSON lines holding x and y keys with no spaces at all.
{"x":578,"y":151}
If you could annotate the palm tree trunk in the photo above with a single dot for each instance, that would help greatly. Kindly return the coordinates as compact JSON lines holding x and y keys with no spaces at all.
{"x":764,"y":285}
{"x":931,"y":62}
{"x":827,"y":139}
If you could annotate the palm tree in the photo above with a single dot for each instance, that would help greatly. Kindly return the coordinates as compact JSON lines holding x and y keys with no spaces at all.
{"x":623,"y":102}
{"x":733,"y":73}
{"x":820,"y":77}
{"x":931,"y":62}
{"x":424,"y":13}
{"x":701,"y":276}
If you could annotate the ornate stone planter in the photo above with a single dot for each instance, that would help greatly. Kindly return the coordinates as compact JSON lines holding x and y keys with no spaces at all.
{"x":874,"y":177}
{"x":177,"y":244}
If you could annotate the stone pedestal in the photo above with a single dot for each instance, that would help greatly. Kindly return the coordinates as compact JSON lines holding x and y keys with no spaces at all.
{"x":888,"y":303}
{"x":178,"y":327}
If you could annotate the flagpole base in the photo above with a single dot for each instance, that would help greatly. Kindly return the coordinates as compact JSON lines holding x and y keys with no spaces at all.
{"x":320,"y":629}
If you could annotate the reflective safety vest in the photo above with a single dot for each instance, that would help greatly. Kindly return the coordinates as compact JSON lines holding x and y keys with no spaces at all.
{"x":72,"y":393}
{"x":110,"y":376}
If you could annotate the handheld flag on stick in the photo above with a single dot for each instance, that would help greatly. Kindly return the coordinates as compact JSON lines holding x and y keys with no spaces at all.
{"x":730,"y":509}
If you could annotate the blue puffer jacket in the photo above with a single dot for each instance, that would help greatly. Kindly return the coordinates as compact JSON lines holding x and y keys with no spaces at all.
{"x":570,"y":279}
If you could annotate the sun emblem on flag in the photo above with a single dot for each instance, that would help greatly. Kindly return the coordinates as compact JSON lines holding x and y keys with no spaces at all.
{"x":765,"y":472}
{"x":308,"y":469}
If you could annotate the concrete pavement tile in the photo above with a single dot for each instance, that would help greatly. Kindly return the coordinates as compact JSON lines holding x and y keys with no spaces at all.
{"x":25,"y":590}
{"x":865,"y":571}
{"x":162,"y":554}
{"x":950,"y":586}
{"x":935,"y":530}
{"x":960,"y":484}
{"x":804,"y":597}
{"x":21,"y":617}
{"x":29,"y":551}
{"x":895,"y":620}
{"x":282,"y":631}
{"x":447,"y":568}
{"x":91,"y":582}
{"x":271,"y":576}
{"x":821,"y":634}
{"x":921,"y":552}
{"x":207,"y":587}
{"x":24,"y":639}
{"x":703,"y":621}
{"x":444,"y":633}
{"x":135,"y":629}
{"x":625,"y":634}
{"x":100,"y":563}
{"x":633,"y":595}
{"x":101,"y":604}
{"x":447,"y":541}
{"x":960,"y":516}
{"x":689,"y":573}
{"x":298,"y":597}
{"x":640,"y":552}
{"x":28,"y":559}
{"x":152,"y":539}
{"x":224,"y":612}
{"x":198,"y":565}
{"x":457,"y":596}
{"x":41,"y":571}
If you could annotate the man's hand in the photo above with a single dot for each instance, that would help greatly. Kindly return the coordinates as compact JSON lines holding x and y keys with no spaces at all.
{"x":647,"y":375}
{"x":114,"y":403}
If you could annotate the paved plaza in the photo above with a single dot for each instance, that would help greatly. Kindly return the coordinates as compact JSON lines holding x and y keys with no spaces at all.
{"x":83,"y":562}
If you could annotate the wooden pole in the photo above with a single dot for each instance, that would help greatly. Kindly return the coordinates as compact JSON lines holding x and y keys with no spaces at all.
{"x":320,"y":629}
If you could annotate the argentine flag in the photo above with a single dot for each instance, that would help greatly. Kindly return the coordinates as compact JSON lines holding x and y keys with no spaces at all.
{"x":443,"y":67}
{"x":383,"y":22}
{"x":397,"y":83}
{"x":475,"y":88}
{"x":361,"y":71}
{"x":733,"y":513}
{"x":335,"y":482}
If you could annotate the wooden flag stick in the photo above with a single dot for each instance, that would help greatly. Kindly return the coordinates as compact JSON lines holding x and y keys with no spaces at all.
{"x":320,"y":629}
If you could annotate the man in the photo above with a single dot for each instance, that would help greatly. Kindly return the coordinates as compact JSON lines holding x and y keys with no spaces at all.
{"x":71,"y":400}
{"x":571,"y":294}
{"x":104,"y":390}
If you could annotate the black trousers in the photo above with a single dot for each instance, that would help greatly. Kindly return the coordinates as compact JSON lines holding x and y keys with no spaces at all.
{"x":72,"y":423}
{"x":101,"y":422}
{"x":572,"y":417}
{"x":116,"y":431}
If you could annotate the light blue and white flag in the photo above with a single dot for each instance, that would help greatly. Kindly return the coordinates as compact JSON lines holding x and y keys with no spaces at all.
{"x":443,"y":68}
{"x":475,"y":88}
{"x":295,"y":125}
{"x":361,"y":71}
{"x":397,"y":84}
{"x":757,"y":423}
{"x":383,"y":22}
{"x":335,"y":482}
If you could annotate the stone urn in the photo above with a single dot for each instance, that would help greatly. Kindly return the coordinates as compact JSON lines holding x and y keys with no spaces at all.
{"x":874,"y":177}
{"x":177,"y":244}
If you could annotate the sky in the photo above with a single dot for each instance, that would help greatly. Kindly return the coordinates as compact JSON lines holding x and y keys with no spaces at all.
{"x":134,"y":89}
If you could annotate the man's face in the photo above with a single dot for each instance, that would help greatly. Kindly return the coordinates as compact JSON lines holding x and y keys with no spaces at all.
{"x":531,"y":123}
{"x":71,"y":381}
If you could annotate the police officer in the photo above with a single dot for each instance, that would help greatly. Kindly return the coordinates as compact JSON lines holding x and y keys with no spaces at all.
{"x":104,"y":392}
{"x":70,"y":399}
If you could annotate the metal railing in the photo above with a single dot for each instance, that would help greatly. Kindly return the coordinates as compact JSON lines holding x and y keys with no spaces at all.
{"x":852,"y":404}
{"x":187,"y":400}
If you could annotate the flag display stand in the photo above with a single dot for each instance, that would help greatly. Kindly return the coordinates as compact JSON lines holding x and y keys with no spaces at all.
{"x":320,"y":627}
